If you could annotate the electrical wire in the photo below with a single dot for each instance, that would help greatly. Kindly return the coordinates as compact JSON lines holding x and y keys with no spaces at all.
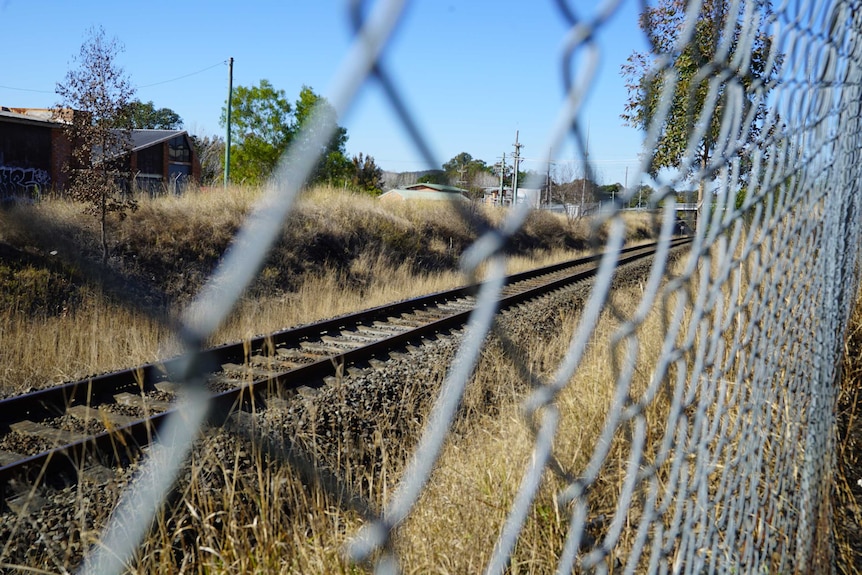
{"x":223,"y":62}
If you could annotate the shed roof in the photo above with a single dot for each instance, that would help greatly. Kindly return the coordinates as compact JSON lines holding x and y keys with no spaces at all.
{"x":431,"y":195}
{"x":435,"y":187}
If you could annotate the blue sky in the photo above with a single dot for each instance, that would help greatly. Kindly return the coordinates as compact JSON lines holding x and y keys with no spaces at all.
{"x":473,"y":72}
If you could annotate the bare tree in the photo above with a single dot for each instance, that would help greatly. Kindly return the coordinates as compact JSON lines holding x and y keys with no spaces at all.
{"x":93,"y":96}
{"x":210,"y":150}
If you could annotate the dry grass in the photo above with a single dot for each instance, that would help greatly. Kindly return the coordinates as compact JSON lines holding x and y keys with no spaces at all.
{"x":340,"y":252}
{"x":847,"y":493}
{"x":456,"y":524}
{"x":238,"y":511}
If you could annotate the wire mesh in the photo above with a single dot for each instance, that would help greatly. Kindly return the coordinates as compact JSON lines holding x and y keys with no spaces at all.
{"x":744,"y":387}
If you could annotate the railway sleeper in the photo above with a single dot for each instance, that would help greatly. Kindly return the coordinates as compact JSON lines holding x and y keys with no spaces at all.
{"x":389,"y":327}
{"x":320,"y":348}
{"x":172,"y":387}
{"x":293,"y":355}
{"x":406,"y":322}
{"x":143,"y":403}
{"x":52,"y":434}
{"x":431,"y":314}
{"x":347,"y":340}
{"x":87,"y":413}
{"x":248,"y":371}
{"x":24,"y":500}
{"x":378,"y":332}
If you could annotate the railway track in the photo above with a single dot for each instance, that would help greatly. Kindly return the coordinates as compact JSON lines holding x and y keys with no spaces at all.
{"x":60,"y":433}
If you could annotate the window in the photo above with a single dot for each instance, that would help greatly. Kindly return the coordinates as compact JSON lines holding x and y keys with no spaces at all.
{"x":179,"y":151}
{"x":150,"y":160}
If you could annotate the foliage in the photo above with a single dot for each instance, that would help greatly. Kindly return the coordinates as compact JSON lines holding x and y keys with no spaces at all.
{"x":464,"y":170}
{"x":433,"y":177}
{"x":367,"y":175}
{"x":609,"y":192}
{"x":138,"y":115}
{"x":643,"y":196}
{"x":712,"y":80}
{"x":98,"y":91}
{"x":264,"y":124}
{"x":333,"y":168}
{"x":260,"y":131}
{"x":507,"y":170}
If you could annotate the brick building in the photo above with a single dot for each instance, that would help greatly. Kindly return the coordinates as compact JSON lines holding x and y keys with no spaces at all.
{"x":36,"y":154}
{"x":163,"y":160}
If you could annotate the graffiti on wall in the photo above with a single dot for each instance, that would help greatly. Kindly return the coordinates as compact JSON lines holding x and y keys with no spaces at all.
{"x":29,"y":182}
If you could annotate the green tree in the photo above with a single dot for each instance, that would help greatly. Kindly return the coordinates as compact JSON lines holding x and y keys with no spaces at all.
{"x":333,"y":167}
{"x":610,"y":192}
{"x":138,"y":115}
{"x":264,"y":124}
{"x":261,"y":130}
{"x":643,"y":196}
{"x":463,"y":170}
{"x":98,"y":90}
{"x":367,"y":175}
{"x":433,"y":177}
{"x":709,"y":80}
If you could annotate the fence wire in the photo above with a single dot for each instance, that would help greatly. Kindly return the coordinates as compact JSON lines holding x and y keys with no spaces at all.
{"x":738,"y":480}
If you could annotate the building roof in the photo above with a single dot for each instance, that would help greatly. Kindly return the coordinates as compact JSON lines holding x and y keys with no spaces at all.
{"x":145,"y":138}
{"x":139,"y":139}
{"x":431,"y":195}
{"x":435,"y":187}
{"x":19,"y":116}
{"x":46,"y":117}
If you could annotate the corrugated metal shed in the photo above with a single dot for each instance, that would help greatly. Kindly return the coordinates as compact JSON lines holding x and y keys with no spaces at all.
{"x":435,"y":188}
{"x":426,"y":195}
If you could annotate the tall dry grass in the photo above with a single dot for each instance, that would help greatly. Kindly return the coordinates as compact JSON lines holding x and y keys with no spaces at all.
{"x":236,"y":509}
{"x":460,"y":516}
{"x":339,"y":252}
{"x":240,"y":511}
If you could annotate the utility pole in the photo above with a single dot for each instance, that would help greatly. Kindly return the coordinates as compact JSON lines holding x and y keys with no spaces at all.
{"x":462,"y":179}
{"x":502,"y":176}
{"x":548,"y":199}
{"x":586,"y":171}
{"x":515,"y":177}
{"x":227,"y":137}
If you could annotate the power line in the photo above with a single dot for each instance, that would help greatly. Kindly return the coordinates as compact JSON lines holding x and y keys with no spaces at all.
{"x":223,"y":62}
{"x":27,"y":90}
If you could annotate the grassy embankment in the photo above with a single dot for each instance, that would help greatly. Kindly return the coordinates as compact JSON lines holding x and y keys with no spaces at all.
{"x":339,"y":252}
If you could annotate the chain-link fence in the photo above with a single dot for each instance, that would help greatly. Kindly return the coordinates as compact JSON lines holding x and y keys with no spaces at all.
{"x":756,"y":102}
